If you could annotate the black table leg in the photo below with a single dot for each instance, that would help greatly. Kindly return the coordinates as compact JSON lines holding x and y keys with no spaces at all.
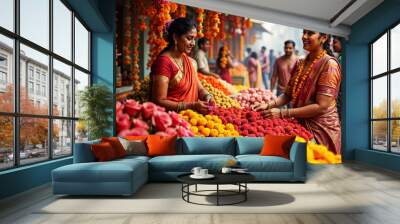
{"x":217,"y":194}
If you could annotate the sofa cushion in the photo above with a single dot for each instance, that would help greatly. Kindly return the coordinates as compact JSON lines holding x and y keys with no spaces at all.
{"x":257,"y":163}
{"x":185,"y":163}
{"x":196,"y":146}
{"x":116,"y":145}
{"x":112,"y":171}
{"x":159,"y":145}
{"x":103,"y":152}
{"x":83,"y":152}
{"x":277,"y":145}
{"x":249,"y":145}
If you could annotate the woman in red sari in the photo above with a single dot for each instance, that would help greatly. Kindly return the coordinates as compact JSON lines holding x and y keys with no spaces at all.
{"x":175,"y":85}
{"x":312,"y":91}
{"x":224,"y":66}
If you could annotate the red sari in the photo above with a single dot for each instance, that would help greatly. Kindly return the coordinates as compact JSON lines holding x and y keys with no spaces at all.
{"x":324,"y":79}
{"x":182,"y":87}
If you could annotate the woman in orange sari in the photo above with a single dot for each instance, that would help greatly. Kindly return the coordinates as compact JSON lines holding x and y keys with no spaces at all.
{"x":175,"y":85}
{"x":312,"y":91}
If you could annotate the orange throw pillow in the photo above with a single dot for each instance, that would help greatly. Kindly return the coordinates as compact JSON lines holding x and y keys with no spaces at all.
{"x":103,"y":152}
{"x":277,"y":146}
{"x":116,"y":145}
{"x":161,"y":145}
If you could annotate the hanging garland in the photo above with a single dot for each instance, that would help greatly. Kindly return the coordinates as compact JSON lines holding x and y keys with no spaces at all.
{"x":126,"y":51}
{"x":224,"y":57}
{"x":214,"y":22}
{"x":158,"y":18}
{"x":222,"y":34}
{"x":199,"y":20}
{"x":181,"y":12}
{"x":142,"y":15}
{"x":135,"y":48}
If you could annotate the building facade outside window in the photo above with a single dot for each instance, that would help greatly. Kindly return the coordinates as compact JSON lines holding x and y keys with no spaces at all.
{"x":44,"y":106}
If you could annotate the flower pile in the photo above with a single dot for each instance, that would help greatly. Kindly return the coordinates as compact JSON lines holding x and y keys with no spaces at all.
{"x":135,"y":119}
{"x":208,"y":125}
{"x":253,"y":124}
{"x":220,"y":98}
{"x":319,"y":154}
{"x":215,"y":83}
{"x":232,"y":90}
{"x":253,"y":96}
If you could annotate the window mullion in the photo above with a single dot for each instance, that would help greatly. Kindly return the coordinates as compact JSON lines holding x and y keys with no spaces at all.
{"x":73,"y":82}
{"x":389,"y":106}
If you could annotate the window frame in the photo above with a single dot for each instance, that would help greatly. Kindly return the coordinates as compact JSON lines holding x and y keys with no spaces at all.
{"x":388,"y":74}
{"x":16,"y":114}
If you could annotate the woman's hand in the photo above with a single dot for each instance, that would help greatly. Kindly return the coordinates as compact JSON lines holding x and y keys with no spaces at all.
{"x":272,"y":113}
{"x":201,"y":107}
{"x":211,"y":101}
{"x":260,"y":106}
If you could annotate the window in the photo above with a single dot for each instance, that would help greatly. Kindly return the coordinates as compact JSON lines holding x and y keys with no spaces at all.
{"x":47,"y":76}
{"x":385,"y":95}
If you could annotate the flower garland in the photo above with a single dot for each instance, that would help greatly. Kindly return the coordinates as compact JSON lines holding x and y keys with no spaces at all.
{"x":200,"y":19}
{"x":222,"y":34}
{"x":158,"y":19}
{"x":181,"y":11}
{"x":301,"y":77}
{"x":126,"y":51}
{"x":214,"y":22}
{"x":142,"y":15}
{"x":224,"y":58}
{"x":135,"y":67}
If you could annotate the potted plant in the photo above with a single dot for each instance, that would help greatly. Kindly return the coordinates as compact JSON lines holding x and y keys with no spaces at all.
{"x":96,"y":103}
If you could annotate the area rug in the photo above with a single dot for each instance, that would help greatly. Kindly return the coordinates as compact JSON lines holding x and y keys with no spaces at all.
{"x":167,"y":198}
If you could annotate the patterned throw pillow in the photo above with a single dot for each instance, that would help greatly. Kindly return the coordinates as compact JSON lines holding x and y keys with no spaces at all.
{"x":134,"y":147}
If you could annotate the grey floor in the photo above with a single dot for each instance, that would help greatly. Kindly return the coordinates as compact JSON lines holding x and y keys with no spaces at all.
{"x":377,"y":188}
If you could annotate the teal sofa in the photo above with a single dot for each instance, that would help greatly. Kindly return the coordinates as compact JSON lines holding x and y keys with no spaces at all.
{"x":125,"y":176}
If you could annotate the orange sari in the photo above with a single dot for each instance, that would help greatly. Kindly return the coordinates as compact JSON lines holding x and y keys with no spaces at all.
{"x":183,"y":87}
{"x":324,"y":79}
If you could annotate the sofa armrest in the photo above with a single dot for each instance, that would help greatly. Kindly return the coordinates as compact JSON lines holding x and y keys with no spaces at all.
{"x":83,"y":152}
{"x":298,"y":155}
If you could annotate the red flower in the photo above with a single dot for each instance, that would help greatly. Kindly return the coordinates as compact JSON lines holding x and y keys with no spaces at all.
{"x":183,"y":132}
{"x":148,"y":109}
{"x":138,"y":123}
{"x":171,"y":131}
{"x":133,"y":132}
{"x":161,"y":120}
{"x":119,"y":107}
{"x":177,"y":120}
{"x":123,"y":122}
{"x":132,"y":107}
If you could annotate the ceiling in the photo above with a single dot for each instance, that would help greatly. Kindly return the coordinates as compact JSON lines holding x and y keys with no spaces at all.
{"x":329,"y":16}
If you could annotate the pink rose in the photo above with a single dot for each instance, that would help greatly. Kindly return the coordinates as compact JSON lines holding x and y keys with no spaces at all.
{"x":123,"y":122}
{"x":177,"y":120}
{"x":171,"y":131}
{"x":183,"y":132}
{"x":133,"y":132}
{"x":119,"y":107}
{"x":148,"y":109}
{"x":161,"y":120}
{"x":138,"y":123}
{"x":132,"y":107}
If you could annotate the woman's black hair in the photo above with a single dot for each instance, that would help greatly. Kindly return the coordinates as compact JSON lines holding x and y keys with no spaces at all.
{"x":179,"y":27}
{"x":254,"y":55}
{"x":327,"y":44}
{"x":219,"y":55}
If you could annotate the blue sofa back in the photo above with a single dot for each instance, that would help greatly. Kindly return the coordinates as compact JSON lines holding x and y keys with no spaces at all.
{"x":210,"y":145}
{"x":249,"y":145}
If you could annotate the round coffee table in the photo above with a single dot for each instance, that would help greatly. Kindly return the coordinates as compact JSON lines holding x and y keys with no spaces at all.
{"x":238,"y":179}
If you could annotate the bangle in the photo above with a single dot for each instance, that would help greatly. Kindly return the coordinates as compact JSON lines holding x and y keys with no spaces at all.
{"x":208,"y":97}
{"x":280,"y":111}
{"x":181,"y":106}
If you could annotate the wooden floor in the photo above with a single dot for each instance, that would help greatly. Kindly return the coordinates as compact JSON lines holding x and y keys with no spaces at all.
{"x":377,"y":188}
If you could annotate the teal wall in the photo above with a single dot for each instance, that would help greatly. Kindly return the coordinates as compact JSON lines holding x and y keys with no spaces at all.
{"x":357,"y":101}
{"x":99,"y":16}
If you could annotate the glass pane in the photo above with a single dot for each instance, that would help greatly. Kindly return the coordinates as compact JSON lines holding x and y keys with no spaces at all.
{"x":379,"y":97}
{"x":33,"y":139}
{"x":6,"y":142}
{"x":395,"y":47}
{"x":35,"y":21}
{"x":379,"y":55}
{"x":7,"y":14}
{"x":395,"y":131}
{"x":395,"y":95}
{"x":34,"y":97}
{"x":81,"y":45}
{"x":81,"y":81}
{"x":62,"y":29}
{"x":62,"y":89}
{"x":379,"y":135}
{"x":6,"y":74}
{"x":81,"y":131}
{"x":62,"y":138}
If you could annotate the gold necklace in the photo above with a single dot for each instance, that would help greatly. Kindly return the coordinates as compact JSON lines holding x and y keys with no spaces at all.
{"x":177,"y":64}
